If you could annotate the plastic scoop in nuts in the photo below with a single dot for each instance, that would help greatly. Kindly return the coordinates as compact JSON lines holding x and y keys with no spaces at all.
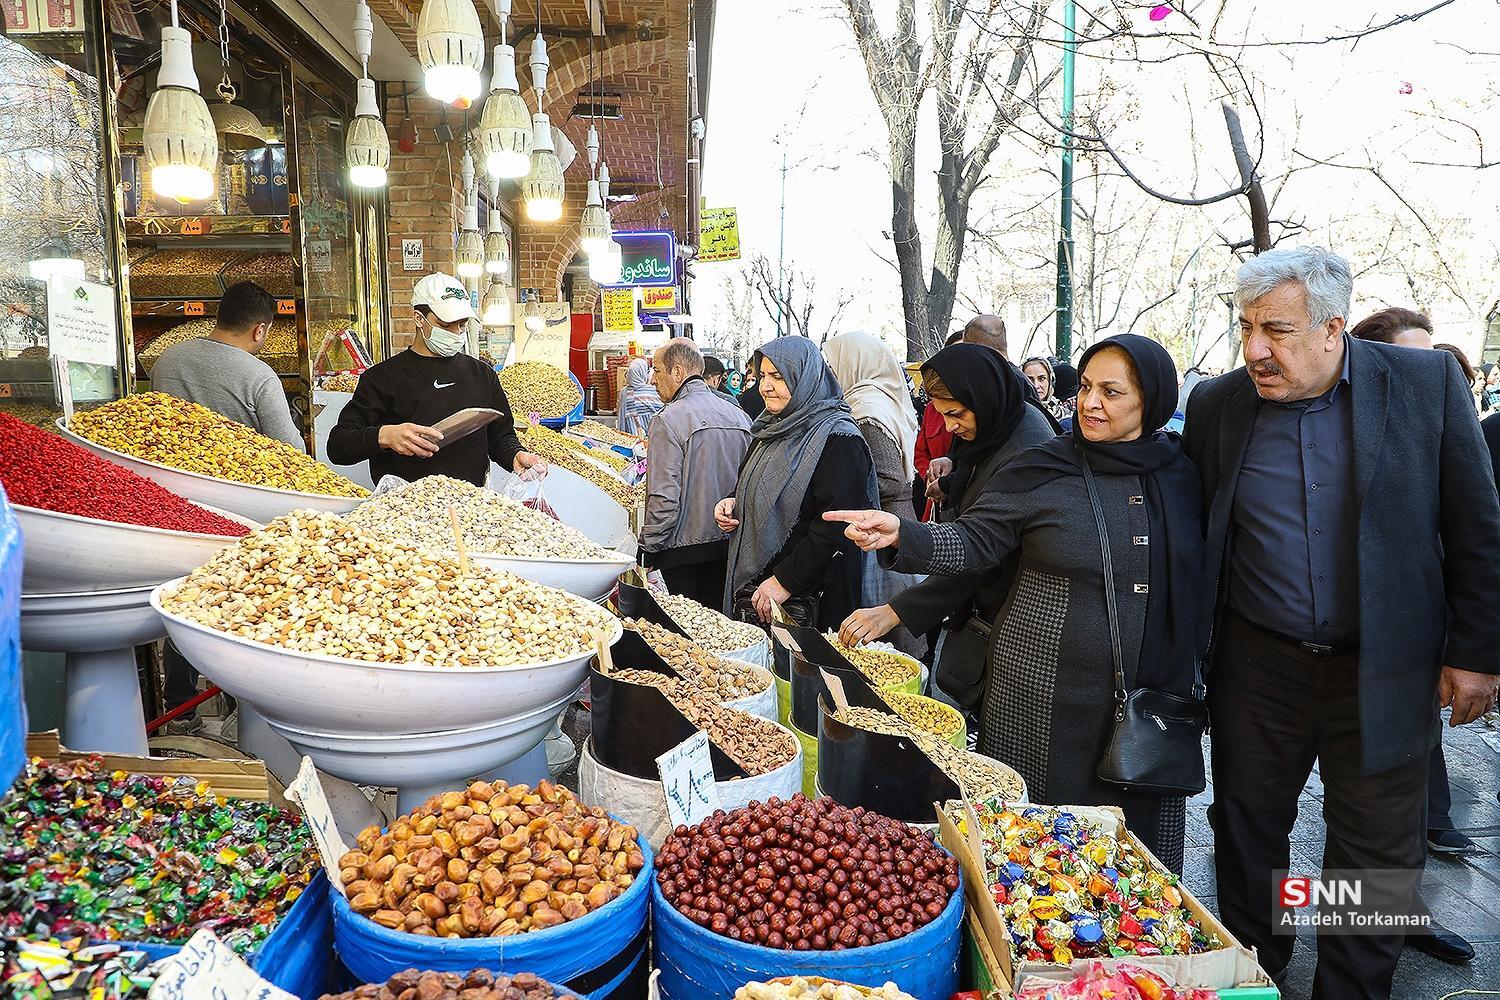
{"x":417,"y":513}
{"x":491,"y":861}
{"x":313,"y":583}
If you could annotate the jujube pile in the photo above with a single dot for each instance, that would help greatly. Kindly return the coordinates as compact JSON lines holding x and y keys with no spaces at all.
{"x":313,"y":583}
{"x":481,"y":984}
{"x":43,"y":470}
{"x":86,"y":852}
{"x":805,"y":875}
{"x":173,"y":432}
{"x":491,"y":861}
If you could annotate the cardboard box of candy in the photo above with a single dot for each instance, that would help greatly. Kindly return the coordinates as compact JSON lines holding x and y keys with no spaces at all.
{"x":149,"y":847}
{"x":1036,"y":876}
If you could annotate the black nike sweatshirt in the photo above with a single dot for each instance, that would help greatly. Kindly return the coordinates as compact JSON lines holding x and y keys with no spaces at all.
{"x":413,"y":388}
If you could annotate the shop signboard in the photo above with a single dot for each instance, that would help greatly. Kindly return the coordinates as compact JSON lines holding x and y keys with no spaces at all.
{"x":647,"y":259}
{"x":659,"y":299}
{"x":718,"y":235}
{"x":619,"y":310}
{"x":81,"y":321}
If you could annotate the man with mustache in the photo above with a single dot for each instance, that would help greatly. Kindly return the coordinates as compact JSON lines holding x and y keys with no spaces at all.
{"x":1343,"y":620}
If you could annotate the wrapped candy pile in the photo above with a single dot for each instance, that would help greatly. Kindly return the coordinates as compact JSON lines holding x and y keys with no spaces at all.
{"x":1125,"y":982}
{"x":1067,"y":889}
{"x":86,"y":852}
{"x":44,"y":969}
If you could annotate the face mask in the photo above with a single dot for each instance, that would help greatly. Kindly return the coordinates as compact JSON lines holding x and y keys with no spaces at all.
{"x":444,"y":343}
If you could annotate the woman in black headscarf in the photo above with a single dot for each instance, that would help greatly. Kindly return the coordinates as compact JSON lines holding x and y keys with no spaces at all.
{"x":985,"y":406}
{"x":1065,"y":391}
{"x":1049,"y":697}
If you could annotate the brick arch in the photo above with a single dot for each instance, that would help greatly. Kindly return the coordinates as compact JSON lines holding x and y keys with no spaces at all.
{"x":570,"y":66}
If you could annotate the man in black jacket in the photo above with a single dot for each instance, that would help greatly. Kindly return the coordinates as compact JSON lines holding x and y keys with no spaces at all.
{"x":389,"y":420}
{"x":1334,"y":487}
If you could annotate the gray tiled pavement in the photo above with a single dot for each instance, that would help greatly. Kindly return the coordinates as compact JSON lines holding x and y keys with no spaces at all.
{"x":1463,"y":890}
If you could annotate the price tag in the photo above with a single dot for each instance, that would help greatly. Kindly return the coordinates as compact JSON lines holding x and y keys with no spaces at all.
{"x":192,"y":308}
{"x":192,"y":227}
{"x":307,"y":791}
{"x":687,"y":780}
{"x":206,"y":969}
{"x":835,"y":688}
{"x":5,"y":390}
{"x":785,"y":638}
{"x":286,"y":307}
{"x":62,"y":382}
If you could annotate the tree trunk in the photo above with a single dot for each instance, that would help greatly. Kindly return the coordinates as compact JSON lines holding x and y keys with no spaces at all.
{"x":908,"y":242}
{"x":1260,"y":213}
{"x":947,"y":254}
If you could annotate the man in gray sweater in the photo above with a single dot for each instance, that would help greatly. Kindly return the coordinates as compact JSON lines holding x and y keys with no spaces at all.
{"x":221,"y":371}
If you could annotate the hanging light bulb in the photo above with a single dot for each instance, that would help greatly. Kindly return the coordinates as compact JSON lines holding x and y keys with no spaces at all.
{"x":367,"y":148}
{"x":604,"y":266}
{"x":182,"y":147}
{"x":496,"y":246}
{"x":494,"y":308}
{"x":469,"y":260}
{"x":450,"y":46}
{"x":505,"y":125}
{"x":55,"y":261}
{"x":532,"y":313}
{"x":594,"y":232}
{"x":237,"y":128}
{"x":543,"y":187}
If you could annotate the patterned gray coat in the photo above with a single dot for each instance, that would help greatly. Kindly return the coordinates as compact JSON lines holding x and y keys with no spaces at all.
{"x":1048,"y":704}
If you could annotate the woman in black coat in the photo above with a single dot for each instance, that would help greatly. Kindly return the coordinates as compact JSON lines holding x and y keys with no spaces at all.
{"x":985,"y":406}
{"x":1048,"y":706}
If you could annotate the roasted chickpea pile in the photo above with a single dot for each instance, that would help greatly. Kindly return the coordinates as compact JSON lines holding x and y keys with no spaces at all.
{"x":491,"y":861}
{"x":805,"y":875}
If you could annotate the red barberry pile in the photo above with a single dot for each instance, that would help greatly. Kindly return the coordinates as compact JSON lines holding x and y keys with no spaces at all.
{"x":40,"y":469}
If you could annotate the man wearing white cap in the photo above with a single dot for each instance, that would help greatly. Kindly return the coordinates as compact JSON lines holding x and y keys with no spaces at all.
{"x":389,"y":420}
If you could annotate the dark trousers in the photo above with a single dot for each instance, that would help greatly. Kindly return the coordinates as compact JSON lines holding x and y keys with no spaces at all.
{"x":702,"y":581}
{"x":1439,"y":797}
{"x":1276,"y":709}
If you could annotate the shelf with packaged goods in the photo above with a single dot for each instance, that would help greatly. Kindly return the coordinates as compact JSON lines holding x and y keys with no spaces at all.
{"x":195,"y":307}
{"x":172,"y":227}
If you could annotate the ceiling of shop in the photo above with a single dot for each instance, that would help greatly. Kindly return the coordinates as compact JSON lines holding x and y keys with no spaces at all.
{"x":389,"y":57}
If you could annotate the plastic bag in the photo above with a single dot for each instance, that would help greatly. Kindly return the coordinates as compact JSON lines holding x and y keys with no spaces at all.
{"x":387,"y":484}
{"x":530,"y":493}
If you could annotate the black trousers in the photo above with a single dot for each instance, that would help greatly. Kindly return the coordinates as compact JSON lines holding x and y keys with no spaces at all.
{"x":703,"y":581}
{"x":1276,"y":709}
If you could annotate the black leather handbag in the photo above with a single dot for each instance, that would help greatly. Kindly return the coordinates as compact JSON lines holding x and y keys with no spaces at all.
{"x":1157,"y":743}
{"x":964,"y":662}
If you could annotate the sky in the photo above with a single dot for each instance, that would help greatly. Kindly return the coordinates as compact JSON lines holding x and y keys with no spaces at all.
{"x":791,"y":83}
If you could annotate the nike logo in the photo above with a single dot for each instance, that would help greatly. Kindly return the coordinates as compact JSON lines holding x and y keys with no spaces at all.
{"x":442,"y":385}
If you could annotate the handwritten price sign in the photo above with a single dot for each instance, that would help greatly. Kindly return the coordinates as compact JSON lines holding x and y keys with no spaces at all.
{"x":687,"y":779}
{"x":205,"y":969}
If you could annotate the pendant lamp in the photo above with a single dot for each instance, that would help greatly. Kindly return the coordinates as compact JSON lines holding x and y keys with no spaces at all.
{"x":604,"y":266}
{"x":182,"y":147}
{"x":542,"y":189}
{"x":505,"y":124}
{"x":469,"y":261}
{"x":450,"y":46}
{"x":367,"y":147}
{"x":237,"y":128}
{"x":495,"y":307}
{"x":496,"y":246}
{"x":594,"y":231}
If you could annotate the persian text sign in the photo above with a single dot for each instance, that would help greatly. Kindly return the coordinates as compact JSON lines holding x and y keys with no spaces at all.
{"x":647,"y":260}
{"x":718,"y":235}
{"x":619,"y":310}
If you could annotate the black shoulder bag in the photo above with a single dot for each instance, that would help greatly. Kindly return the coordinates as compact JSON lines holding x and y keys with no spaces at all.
{"x":1157,"y":743}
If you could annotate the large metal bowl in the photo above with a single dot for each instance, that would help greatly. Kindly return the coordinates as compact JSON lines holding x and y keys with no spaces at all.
{"x":327,"y":694}
{"x":90,"y":622}
{"x":67,"y":553}
{"x":259,"y":503}
{"x":591,"y":579}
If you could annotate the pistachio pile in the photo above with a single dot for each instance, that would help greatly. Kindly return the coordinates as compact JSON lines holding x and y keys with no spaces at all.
{"x":281,"y":342}
{"x":725,"y":680}
{"x":314,"y":583}
{"x":979,"y":778}
{"x":927,"y":714}
{"x":608,"y":434}
{"x":342,"y":382}
{"x":536,"y":387}
{"x":757,"y":745}
{"x":170,"y":431}
{"x":417,"y":513}
{"x":608,"y":456}
{"x":709,"y":629}
{"x":803,"y":988}
{"x":878,"y":661}
{"x":491,"y":861}
{"x":628,"y":497}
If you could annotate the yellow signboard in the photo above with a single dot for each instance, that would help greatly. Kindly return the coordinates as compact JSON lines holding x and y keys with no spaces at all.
{"x":619,"y":310}
{"x":718,"y":235}
{"x":658,"y":299}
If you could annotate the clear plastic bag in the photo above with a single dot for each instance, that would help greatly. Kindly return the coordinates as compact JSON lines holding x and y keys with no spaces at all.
{"x":529,"y":492}
{"x":387,"y":484}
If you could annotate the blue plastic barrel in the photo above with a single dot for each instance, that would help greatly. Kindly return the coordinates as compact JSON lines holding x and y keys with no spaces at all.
{"x":601,"y":956}
{"x":12,"y":704}
{"x":697,"y":964}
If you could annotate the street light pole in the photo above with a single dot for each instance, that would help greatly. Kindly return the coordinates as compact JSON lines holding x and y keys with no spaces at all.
{"x":1065,"y":238}
{"x":781,"y":250}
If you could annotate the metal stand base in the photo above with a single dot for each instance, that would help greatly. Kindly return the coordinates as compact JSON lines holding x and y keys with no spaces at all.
{"x":104,"y":711}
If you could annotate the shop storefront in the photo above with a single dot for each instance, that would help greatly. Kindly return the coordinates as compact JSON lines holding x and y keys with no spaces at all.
{"x":95,"y":257}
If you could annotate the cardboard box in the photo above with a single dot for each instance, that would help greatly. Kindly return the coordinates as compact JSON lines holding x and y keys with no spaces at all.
{"x":1229,"y":966}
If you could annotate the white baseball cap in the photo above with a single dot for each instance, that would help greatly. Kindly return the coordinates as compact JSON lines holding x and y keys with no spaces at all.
{"x":445,"y":295}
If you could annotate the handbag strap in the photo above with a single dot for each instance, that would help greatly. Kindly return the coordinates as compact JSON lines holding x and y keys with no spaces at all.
{"x":1109,"y":583}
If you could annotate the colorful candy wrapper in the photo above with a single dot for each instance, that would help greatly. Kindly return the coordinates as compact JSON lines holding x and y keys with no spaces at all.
{"x":1126,"y":982}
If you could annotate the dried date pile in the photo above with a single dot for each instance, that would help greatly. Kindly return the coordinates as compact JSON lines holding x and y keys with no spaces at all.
{"x":481,"y":984}
{"x":805,"y":875}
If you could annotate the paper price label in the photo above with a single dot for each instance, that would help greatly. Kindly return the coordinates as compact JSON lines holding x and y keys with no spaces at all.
{"x":206,"y":969}
{"x":687,"y":781}
{"x":192,"y":308}
{"x":192,"y":227}
{"x":307,"y":791}
{"x":835,"y":688}
{"x":286,"y":307}
{"x":286,"y":224}
{"x":785,"y":638}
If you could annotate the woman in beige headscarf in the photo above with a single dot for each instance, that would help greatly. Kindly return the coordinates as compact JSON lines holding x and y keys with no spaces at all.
{"x":875,"y":389}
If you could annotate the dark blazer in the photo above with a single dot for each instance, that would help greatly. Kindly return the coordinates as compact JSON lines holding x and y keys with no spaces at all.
{"x":1423,"y":489}
{"x":926,"y":605}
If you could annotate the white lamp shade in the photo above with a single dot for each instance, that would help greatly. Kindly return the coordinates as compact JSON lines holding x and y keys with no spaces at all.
{"x":180,"y":140}
{"x":604,"y":266}
{"x":367,"y":147}
{"x":450,"y":47}
{"x":505,"y":135}
{"x":495,"y":308}
{"x":470,"y":262}
{"x":593,"y":229}
{"x":496,"y":253}
{"x":56,"y":267}
{"x":542,"y":190}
